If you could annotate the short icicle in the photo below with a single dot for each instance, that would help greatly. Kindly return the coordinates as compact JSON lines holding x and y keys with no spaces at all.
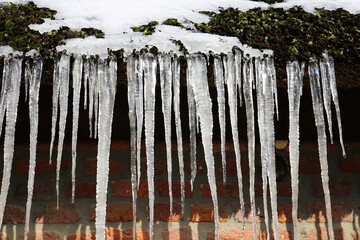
{"x":295,"y":83}
{"x":86,"y":67}
{"x":322,"y":142}
{"x":150,"y":68}
{"x":77,"y":76}
{"x":55,"y":106}
{"x":107,"y":91}
{"x":34,"y":82}
{"x":198,"y":81}
{"x":12,"y":100}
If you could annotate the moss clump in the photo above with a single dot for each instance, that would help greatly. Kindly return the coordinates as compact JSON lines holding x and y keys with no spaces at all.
{"x":293,"y":33}
{"x":15,"y":31}
{"x":172,"y":22}
{"x":269,"y":1}
{"x":181,"y":46}
{"x":147,"y":29}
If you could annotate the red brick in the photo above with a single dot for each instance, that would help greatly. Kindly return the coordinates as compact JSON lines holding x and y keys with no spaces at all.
{"x":43,"y":190}
{"x":322,"y":233}
{"x":122,"y":188}
{"x":341,"y":212}
{"x":82,"y":190}
{"x":200,"y":164}
{"x":65,"y":214}
{"x":340,"y":188}
{"x":313,"y":146}
{"x":45,"y":146}
{"x":120,"y":144}
{"x":160,"y":165}
{"x":350,"y":164}
{"x":112,"y":234}
{"x":248,"y":215}
{"x":87,"y":146}
{"x":247,"y":234}
{"x":283,"y":189}
{"x":3,"y":236}
{"x":204,"y":212}
{"x":91,"y":166}
{"x":163,"y":188}
{"x":231,"y":168}
{"x":116,"y":212}
{"x":356,"y":234}
{"x":283,"y":235}
{"x":309,"y":165}
{"x":42,"y":166}
{"x":42,"y":236}
{"x":229,"y":146}
{"x":180,"y":234}
{"x":285,"y":213}
{"x":229,"y":190}
{"x":162,"y":212}
{"x":352,"y":145}
{"x":14,"y":214}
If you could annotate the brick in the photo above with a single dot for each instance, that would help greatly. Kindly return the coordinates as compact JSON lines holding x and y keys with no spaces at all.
{"x":229,"y":146}
{"x":14,"y":214}
{"x":122,"y":188}
{"x":162,"y":212}
{"x":339,"y":188}
{"x":43,"y":190}
{"x":174,"y":146}
{"x":120,"y":144}
{"x":350,"y":164}
{"x":322,"y":233}
{"x":21,"y":166}
{"x":231,"y":168}
{"x":285,"y":213}
{"x":236,"y":213}
{"x":229,"y":190}
{"x":309,"y":165}
{"x":200,"y":164}
{"x":163,"y":188}
{"x":180,"y":234}
{"x":91,"y":166}
{"x":45,"y":146}
{"x":283,"y":235}
{"x":204,"y":212}
{"x":355,"y":234}
{"x":313,"y":146}
{"x":42,"y":236}
{"x":3,"y":236}
{"x":247,"y":234}
{"x":65,"y":214}
{"x":283,"y":189}
{"x":82,"y":189}
{"x":160,"y":165}
{"x":341,"y":212}
{"x":112,"y":234}
{"x":87,"y":146}
{"x":116,"y":212}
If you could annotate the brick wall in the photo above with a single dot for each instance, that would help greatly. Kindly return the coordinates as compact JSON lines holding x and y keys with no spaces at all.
{"x":76,"y":221}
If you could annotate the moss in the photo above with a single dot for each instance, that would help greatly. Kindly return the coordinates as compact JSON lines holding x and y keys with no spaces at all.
{"x":181,"y":46}
{"x":15,"y":31}
{"x":172,"y":22}
{"x":293,"y":33}
{"x":269,"y":1}
{"x":147,"y":29}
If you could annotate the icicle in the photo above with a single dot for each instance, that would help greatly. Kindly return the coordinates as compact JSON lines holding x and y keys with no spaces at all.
{"x":130,"y":67}
{"x":92,"y":81}
{"x":27,"y":78}
{"x":176,"y":90}
{"x":320,"y":127}
{"x":250,"y":119}
{"x":335,"y":98}
{"x":86,"y":67}
{"x":219,"y":82}
{"x":199,"y":84}
{"x":96,"y":102}
{"x":6,"y":81}
{"x":77,"y":75}
{"x":107,"y":91}
{"x":149,"y":90}
{"x":12,"y":99}
{"x":34,"y":81}
{"x":231,"y":85}
{"x":64,"y":71}
{"x":192,"y":126}
{"x":55,"y":106}
{"x":295,"y":82}
{"x":166,"y":97}
{"x":272,"y":74}
{"x":238,"y":59}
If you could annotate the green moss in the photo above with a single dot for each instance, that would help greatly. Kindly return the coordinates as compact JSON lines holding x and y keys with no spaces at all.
{"x":15,"y":31}
{"x":293,"y":33}
{"x":269,"y":1}
{"x":147,"y":29}
{"x":181,"y":46}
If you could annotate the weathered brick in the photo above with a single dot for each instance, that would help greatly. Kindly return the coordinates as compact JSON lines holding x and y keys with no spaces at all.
{"x":341,"y":212}
{"x":180,"y":234}
{"x":90,"y":166}
{"x":3,"y":236}
{"x":231,"y":168}
{"x":163,"y":188}
{"x":112,"y":234}
{"x":115,"y":212}
{"x":42,"y":236}
{"x":236,"y":212}
{"x":229,"y":190}
{"x":200,"y":164}
{"x":322,"y":233}
{"x":82,"y":190}
{"x":160,"y":165}
{"x":204,"y":212}
{"x":229,"y":146}
{"x":14,"y":214}
{"x":340,"y":188}
{"x":43,"y":190}
{"x":45,"y":146}
{"x":87,"y":146}
{"x":247,"y":234}
{"x":283,"y":235}
{"x":283,"y":189}
{"x":174,"y":146}
{"x":65,"y":214}
{"x":162,"y":212}
{"x":309,"y":165}
{"x":120,"y":144}
{"x":122,"y":188}
{"x":21,"y":166}
{"x":285,"y":213}
{"x":355,"y":234}
{"x":350,"y":164}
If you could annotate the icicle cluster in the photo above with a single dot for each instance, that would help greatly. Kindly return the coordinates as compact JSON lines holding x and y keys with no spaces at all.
{"x":236,"y":76}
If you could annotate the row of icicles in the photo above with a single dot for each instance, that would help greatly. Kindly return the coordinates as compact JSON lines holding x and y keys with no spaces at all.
{"x":239,"y":76}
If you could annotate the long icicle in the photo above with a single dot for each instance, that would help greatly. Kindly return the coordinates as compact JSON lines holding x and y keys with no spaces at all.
{"x":149,"y":93}
{"x":64,"y":73}
{"x":34,"y":82}
{"x":166,"y":97}
{"x":107,"y":91}
{"x":199,"y":84}
{"x":6,"y":81}
{"x":176,"y":90}
{"x":322,"y":142}
{"x":12,"y":97}
{"x":96,"y":102}
{"x":295,"y":82}
{"x":92,"y":79}
{"x":250,"y":122}
{"x":77,"y":76}
{"x":86,"y":67}
{"x":55,"y":106}
{"x":220,"y":89}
